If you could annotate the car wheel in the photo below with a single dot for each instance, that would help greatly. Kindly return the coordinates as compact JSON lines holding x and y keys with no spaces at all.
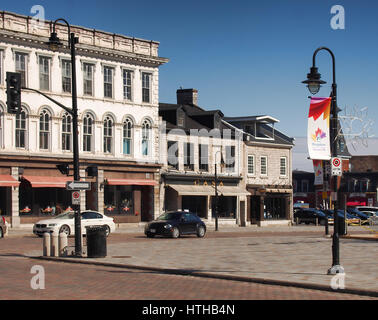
{"x":150,"y":235}
{"x":322,"y":222}
{"x":66,"y":229}
{"x":201,"y":232}
{"x":175,"y":233}
{"x":107,"y":230}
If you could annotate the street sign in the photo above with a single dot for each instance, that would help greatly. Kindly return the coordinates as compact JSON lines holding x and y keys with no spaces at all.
{"x":336,"y":167}
{"x":76,"y":197}
{"x":78,"y":185}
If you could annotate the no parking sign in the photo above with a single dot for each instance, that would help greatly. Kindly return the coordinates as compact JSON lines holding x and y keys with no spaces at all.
{"x":336,"y":167}
{"x":75,"y":197}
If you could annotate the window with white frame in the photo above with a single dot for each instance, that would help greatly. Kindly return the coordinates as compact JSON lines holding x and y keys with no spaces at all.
{"x":146,"y":87}
{"x":108,"y":82}
{"x":264,"y":165}
{"x":203,"y":157}
{"x":87,"y":132}
{"x":21,"y":129}
{"x":283,"y":166}
{"x":230,"y":158}
{"x":173,"y":153}
{"x":1,"y":67}
{"x":44,"y":130}
{"x":66,"y":76}
{"x":188,"y":156}
{"x":146,"y":137}
{"x":44,"y":73}
{"x":251,"y":164}
{"x":21,"y":60}
{"x":127,"y":136}
{"x":88,"y":79}
{"x":66,"y":132}
{"x":127,"y":85}
{"x":108,"y":134}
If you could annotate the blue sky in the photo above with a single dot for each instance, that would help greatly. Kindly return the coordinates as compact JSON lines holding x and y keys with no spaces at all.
{"x":244,"y":57}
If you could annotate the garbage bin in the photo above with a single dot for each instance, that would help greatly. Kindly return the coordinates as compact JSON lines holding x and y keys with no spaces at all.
{"x":96,"y":242}
{"x":342,"y":226}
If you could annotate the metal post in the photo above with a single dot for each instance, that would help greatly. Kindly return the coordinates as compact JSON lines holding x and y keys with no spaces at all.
{"x":216,"y":198}
{"x":76,"y":166}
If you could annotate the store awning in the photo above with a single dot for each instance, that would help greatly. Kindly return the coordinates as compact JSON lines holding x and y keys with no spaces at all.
{"x":200,"y":190}
{"x":130,"y":182}
{"x":6,"y":180}
{"x":48,"y":181}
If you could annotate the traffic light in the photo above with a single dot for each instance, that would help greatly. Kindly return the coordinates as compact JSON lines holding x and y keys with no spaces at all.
{"x":14,"y":92}
{"x":63,"y":168}
{"x":92,"y":171}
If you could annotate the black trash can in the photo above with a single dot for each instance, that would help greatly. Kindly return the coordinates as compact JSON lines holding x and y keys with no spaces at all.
{"x":96,"y":242}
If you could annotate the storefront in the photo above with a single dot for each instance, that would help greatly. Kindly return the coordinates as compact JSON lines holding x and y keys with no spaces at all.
{"x":7,"y":184}
{"x":268,"y":206}
{"x":197,"y":194}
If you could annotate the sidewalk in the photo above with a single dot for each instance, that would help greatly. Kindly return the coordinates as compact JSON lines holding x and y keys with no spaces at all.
{"x":287,"y":260}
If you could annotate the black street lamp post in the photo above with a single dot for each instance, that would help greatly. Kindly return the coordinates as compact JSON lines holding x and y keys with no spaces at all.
{"x":54,"y":43}
{"x":313,"y":83}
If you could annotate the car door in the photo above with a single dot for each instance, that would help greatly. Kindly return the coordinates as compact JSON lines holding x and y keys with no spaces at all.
{"x":192,"y":222}
{"x":184,"y":224}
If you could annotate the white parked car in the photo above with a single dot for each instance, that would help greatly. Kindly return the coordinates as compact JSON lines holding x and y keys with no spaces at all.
{"x":65,"y":222}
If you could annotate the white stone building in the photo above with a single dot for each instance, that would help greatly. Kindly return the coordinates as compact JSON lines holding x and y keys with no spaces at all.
{"x":118,"y":98}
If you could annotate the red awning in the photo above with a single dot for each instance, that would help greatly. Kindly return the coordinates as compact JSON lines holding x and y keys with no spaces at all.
{"x":6,"y":180}
{"x":48,"y":181}
{"x":130,"y":182}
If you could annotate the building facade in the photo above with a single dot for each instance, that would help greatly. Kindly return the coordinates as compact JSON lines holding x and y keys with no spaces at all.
{"x":118,"y":106}
{"x":194,"y":144}
{"x":267,"y":167}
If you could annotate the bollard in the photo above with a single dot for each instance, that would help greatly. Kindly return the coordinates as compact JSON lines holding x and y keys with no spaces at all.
{"x":46,"y":244}
{"x":62,"y":244}
{"x":54,"y":245}
{"x":316,"y":221}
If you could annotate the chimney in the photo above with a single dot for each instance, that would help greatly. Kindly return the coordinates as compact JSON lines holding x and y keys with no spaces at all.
{"x":187,"y":96}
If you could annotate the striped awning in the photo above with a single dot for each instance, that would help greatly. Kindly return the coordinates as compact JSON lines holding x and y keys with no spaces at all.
{"x":6,"y":180}
{"x":47,"y":181}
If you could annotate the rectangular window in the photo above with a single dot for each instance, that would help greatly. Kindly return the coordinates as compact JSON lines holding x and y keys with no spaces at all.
{"x":108,"y":82}
{"x":172,"y":150}
{"x":146,"y":86}
{"x":21,"y":67}
{"x":21,"y":130}
{"x":251,"y":164}
{"x":88,"y":79}
{"x":189,"y":156}
{"x":44,"y":73}
{"x":304,"y":185}
{"x":1,"y":66}
{"x":230,"y":158}
{"x":127,"y":75}
{"x":283,"y":166}
{"x":66,"y":76}
{"x":203,"y":153}
{"x":264,"y":166}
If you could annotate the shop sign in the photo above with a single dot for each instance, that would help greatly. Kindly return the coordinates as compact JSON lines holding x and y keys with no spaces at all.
{"x":206,"y":183}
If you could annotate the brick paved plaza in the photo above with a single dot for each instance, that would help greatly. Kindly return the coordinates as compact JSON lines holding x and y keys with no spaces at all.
{"x":301,"y":256}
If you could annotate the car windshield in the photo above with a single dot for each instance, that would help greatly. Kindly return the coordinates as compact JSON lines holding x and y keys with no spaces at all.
{"x":169,"y":216}
{"x":65,"y":215}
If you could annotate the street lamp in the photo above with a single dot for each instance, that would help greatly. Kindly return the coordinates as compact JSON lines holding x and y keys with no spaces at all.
{"x":313,"y":83}
{"x":54,"y":43}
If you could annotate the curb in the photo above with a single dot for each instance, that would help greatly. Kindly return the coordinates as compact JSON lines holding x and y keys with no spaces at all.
{"x":351,"y":237}
{"x":215,"y":276}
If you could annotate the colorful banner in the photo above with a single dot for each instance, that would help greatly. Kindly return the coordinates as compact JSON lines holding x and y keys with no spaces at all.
{"x":318,"y":141}
{"x":318,"y":170}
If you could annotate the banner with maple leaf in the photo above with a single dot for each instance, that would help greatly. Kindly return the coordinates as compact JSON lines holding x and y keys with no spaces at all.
{"x":318,"y":141}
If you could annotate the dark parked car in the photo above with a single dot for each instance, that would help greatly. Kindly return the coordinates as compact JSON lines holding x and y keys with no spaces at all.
{"x":175,"y":224}
{"x":310,"y":215}
{"x":350,"y":218}
{"x":3,"y":227}
{"x":359,"y":214}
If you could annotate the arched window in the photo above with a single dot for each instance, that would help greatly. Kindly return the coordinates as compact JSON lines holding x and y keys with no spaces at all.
{"x":21,"y":129}
{"x":66,"y":131}
{"x":44,"y":129}
{"x":127,"y":136}
{"x":108,"y":134}
{"x":87,"y":132}
{"x":146,"y":137}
